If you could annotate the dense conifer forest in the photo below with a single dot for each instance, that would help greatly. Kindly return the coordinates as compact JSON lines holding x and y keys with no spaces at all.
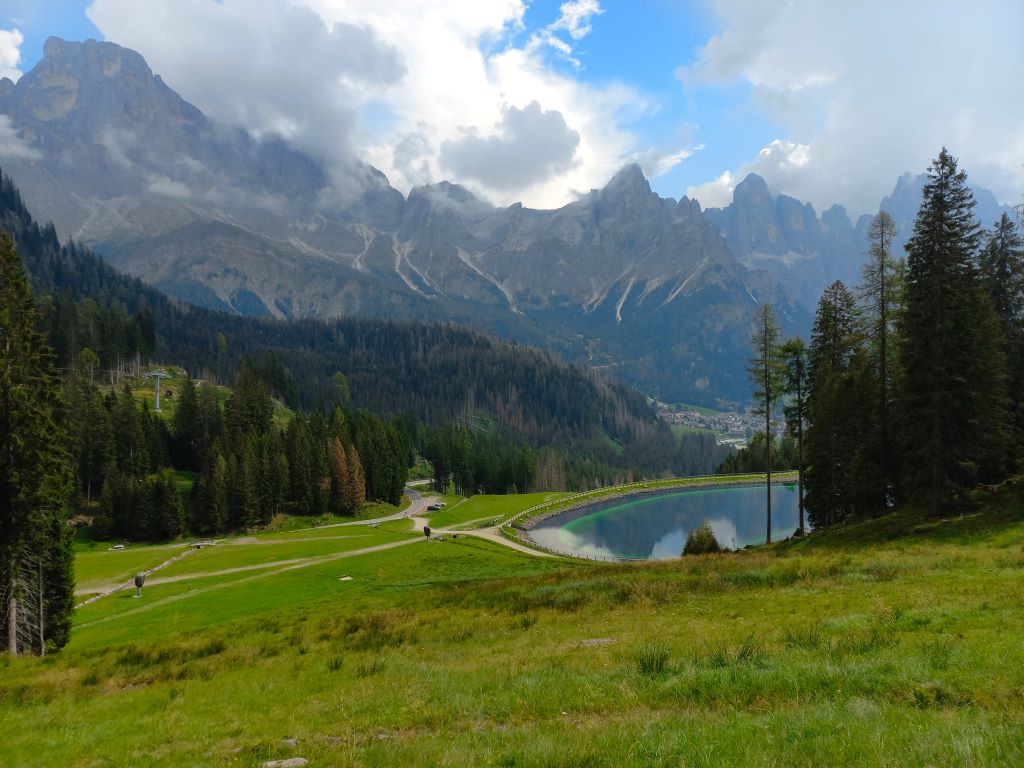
{"x":368,"y":396}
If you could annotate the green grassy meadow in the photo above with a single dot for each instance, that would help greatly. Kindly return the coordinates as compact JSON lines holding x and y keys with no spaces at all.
{"x":895,"y":642}
{"x":485,"y":510}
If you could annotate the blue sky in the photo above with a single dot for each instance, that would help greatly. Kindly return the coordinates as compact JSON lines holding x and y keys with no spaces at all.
{"x":543,"y":100}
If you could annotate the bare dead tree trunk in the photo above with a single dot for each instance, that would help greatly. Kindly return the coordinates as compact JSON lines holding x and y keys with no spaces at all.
{"x":42,"y":638}
{"x":12,"y":619}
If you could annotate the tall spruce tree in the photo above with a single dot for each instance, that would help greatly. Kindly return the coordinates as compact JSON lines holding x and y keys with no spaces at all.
{"x":840,"y":476}
{"x":793,"y":356}
{"x":953,"y":396}
{"x":1002,"y":269}
{"x":765,"y":376}
{"x":36,"y":561}
{"x":880,"y":295}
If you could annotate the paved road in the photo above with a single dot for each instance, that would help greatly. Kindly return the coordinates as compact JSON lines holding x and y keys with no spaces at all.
{"x":415,"y":511}
{"x":417,"y":506}
{"x":494,"y":534}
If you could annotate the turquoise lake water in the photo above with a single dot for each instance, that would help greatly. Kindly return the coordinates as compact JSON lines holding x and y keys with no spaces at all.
{"x":655,"y":527}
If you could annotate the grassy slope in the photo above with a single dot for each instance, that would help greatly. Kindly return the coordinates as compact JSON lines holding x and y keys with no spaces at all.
{"x":488,"y":510}
{"x":822,"y":651}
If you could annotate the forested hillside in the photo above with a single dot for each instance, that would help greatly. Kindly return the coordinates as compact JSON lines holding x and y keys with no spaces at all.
{"x":442,"y":375}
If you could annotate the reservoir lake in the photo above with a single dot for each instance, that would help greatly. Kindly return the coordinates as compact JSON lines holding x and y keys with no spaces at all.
{"x":655,"y":526}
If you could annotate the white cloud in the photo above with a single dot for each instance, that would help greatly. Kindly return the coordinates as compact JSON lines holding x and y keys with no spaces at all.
{"x":165,"y":187}
{"x":388,"y":81}
{"x":716,"y":193}
{"x":12,"y":146}
{"x":10,"y":53}
{"x":574,"y":19}
{"x":463,"y":75}
{"x":868,"y":90}
{"x":784,"y":164}
{"x":258,"y":64}
{"x":530,"y":145}
{"x":656,"y":162}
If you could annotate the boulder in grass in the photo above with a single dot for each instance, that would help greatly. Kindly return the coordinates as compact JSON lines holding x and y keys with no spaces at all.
{"x":291,"y":762}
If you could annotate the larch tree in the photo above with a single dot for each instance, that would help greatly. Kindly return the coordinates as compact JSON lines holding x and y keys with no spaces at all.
{"x":766,"y":378}
{"x":341,"y":496}
{"x":36,"y":555}
{"x":356,"y":480}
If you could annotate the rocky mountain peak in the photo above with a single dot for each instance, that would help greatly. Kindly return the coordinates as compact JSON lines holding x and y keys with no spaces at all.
{"x":91,"y":83}
{"x":753,"y":189}
{"x":629,"y":180}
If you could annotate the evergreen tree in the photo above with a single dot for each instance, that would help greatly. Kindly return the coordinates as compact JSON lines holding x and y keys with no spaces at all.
{"x":210,"y":417}
{"x":166,"y":517}
{"x":36,"y":563}
{"x":210,"y":509}
{"x":187,"y":427}
{"x":881,"y":294}
{"x":793,"y":356}
{"x":842,"y":475}
{"x":91,"y":436}
{"x":765,"y":377}
{"x":1002,"y":269}
{"x":953,"y":396}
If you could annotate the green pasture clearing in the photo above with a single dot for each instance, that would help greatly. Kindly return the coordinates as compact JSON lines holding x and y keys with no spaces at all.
{"x":371,"y":511}
{"x":484,"y":507}
{"x":101,"y":567}
{"x":395,"y":575}
{"x":889,"y":642}
{"x":681,"y":429}
{"x":248,"y":551}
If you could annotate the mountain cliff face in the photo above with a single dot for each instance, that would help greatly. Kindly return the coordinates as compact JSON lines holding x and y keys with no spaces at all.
{"x":623,"y":278}
{"x":786,"y":238}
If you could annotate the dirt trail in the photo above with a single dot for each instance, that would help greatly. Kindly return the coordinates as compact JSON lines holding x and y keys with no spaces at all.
{"x":417,"y":506}
{"x":267,"y":572}
{"x":108,"y":589}
{"x":494,"y":534}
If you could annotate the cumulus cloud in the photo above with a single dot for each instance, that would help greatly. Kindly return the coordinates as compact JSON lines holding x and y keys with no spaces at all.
{"x":530,"y":146}
{"x":10,"y":53}
{"x":270,"y":68}
{"x":12,"y":146}
{"x":782,"y":163}
{"x":466,"y":73}
{"x":387,"y":81}
{"x":863,"y":91}
{"x":656,"y":162}
{"x":412,"y":154}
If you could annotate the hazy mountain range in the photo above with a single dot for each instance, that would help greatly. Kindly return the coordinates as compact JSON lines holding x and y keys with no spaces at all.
{"x":657,"y":290}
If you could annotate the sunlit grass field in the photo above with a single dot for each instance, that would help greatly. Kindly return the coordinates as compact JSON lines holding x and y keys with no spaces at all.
{"x":484,"y":509}
{"x":893,"y":642}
